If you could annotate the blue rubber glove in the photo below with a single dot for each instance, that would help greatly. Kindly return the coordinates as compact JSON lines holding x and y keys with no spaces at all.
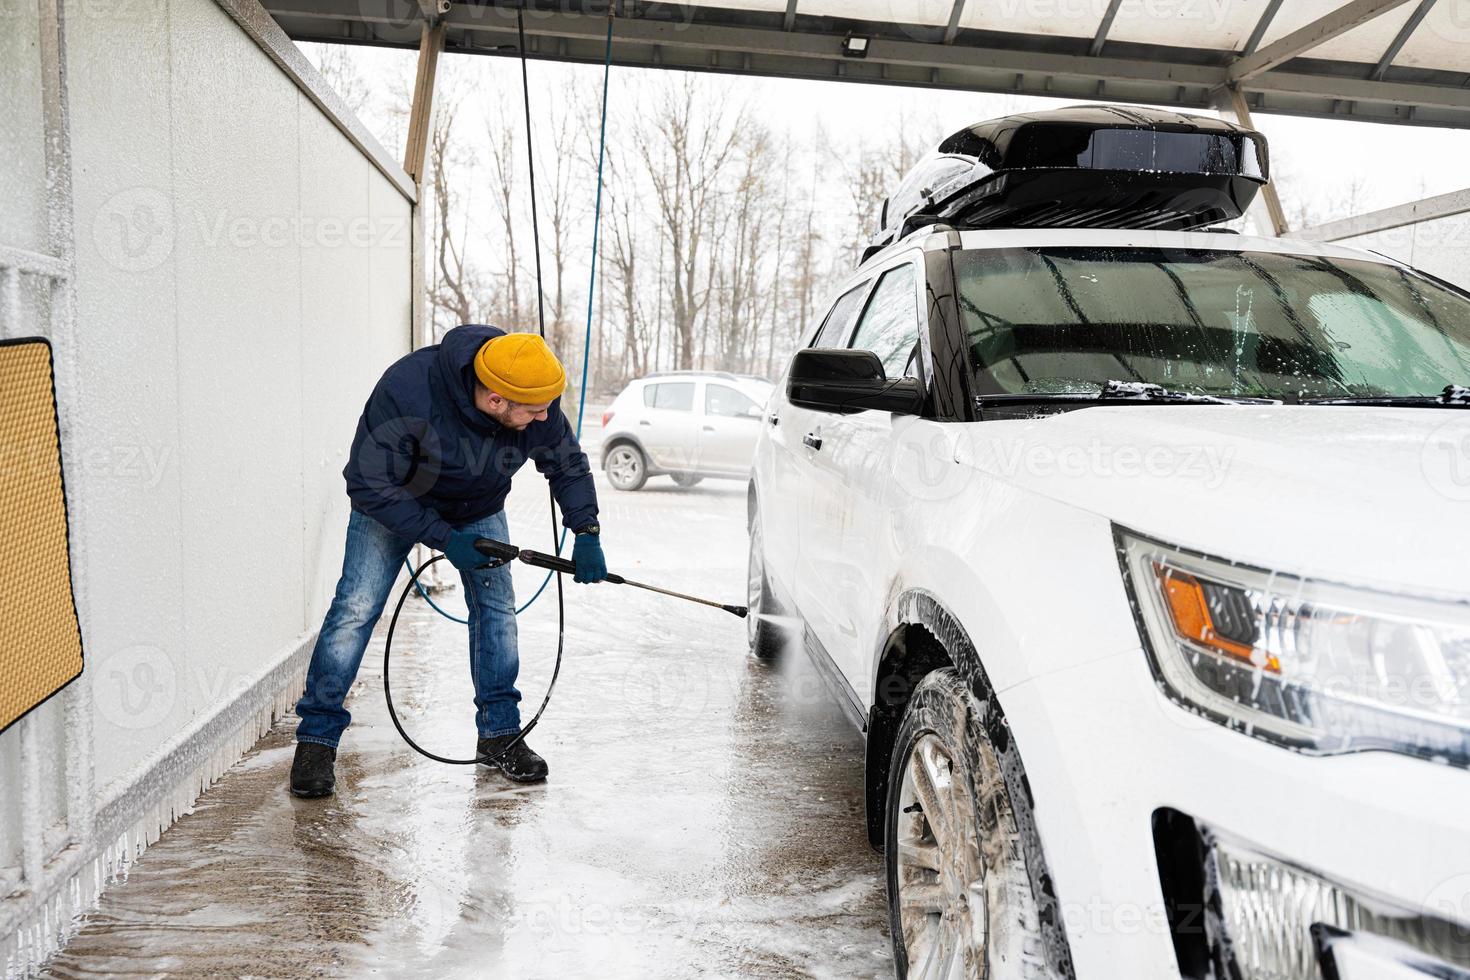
{"x":587,"y":553}
{"x":462,"y":553}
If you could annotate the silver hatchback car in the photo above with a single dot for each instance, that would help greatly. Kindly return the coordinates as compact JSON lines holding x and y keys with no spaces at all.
{"x":687,"y":424}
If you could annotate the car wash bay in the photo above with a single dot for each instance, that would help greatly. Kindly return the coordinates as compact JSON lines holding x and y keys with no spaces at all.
{"x":704,"y":813}
{"x":703,"y":816}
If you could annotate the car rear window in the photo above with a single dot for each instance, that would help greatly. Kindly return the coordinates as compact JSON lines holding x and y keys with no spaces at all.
{"x":675,"y":395}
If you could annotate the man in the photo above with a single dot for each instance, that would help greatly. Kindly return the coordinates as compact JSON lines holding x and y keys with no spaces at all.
{"x":438,"y":442}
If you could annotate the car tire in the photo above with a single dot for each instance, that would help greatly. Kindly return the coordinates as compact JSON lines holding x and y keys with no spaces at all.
{"x":765,"y":637}
{"x":626,"y":467}
{"x":686,"y":480}
{"x":958,"y":885}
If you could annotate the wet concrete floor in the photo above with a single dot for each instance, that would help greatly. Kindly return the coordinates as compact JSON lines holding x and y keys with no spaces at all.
{"x":703,"y":817}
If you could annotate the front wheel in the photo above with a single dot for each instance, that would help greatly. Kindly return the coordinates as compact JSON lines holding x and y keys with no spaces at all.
{"x":961,"y":905}
{"x":627,"y":469}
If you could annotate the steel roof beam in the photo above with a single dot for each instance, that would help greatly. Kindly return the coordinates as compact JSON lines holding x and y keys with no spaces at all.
{"x":1105,"y":25}
{"x":1233,"y":105}
{"x":953,"y":27}
{"x":1402,"y":38}
{"x":1262,"y":25}
{"x":1303,"y":39}
{"x":754,"y":44}
{"x":1361,"y":89}
{"x":1416,"y":213}
{"x":636,"y":32}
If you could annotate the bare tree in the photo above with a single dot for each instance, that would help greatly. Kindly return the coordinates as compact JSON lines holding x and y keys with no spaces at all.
{"x":504,"y":165}
{"x":456,"y":293}
{"x":685,"y":154}
{"x":622,"y":253}
{"x":338,"y":66}
{"x":566,"y":205}
{"x":747,"y":243}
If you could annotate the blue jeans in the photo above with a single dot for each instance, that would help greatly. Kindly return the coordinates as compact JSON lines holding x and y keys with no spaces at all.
{"x":369,"y":569}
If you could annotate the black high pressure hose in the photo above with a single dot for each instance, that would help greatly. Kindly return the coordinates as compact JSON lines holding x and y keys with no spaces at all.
{"x":561,"y":613}
{"x":561,"y":633}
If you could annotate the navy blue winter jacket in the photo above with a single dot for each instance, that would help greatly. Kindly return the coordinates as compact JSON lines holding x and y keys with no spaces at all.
{"x":425,"y":460}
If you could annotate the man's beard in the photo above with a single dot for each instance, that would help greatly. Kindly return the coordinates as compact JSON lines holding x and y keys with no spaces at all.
{"x":502,"y":417}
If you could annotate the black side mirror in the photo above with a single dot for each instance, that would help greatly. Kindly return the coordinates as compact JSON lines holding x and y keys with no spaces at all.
{"x":848,"y":381}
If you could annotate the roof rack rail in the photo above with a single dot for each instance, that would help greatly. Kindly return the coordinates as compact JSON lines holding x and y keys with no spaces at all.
{"x":914,"y":223}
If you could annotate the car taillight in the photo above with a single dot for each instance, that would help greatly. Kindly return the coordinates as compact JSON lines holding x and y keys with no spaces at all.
{"x":606,"y":418}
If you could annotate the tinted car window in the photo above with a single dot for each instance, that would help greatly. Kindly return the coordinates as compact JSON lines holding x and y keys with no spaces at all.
{"x":675,"y":395}
{"x":838,"y":325}
{"x":723,"y":400}
{"x":890,"y":324}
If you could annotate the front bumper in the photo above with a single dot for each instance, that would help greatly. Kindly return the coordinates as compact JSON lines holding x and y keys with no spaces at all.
{"x":1105,"y":751}
{"x":1236,"y":911}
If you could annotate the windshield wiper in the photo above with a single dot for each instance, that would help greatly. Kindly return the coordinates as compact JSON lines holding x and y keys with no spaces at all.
{"x":1124,"y":391}
{"x":1144,"y":391}
{"x":1453,"y":396}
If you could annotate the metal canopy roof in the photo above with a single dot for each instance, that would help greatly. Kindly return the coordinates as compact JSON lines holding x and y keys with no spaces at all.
{"x":1396,"y":61}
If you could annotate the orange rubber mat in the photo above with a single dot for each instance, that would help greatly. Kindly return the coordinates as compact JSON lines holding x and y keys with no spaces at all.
{"x":40,"y":635}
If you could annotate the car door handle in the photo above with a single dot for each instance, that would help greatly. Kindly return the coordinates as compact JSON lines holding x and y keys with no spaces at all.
{"x":812,"y":440}
{"x":773,"y":418}
{"x":709,"y":428}
{"x":644,"y":422}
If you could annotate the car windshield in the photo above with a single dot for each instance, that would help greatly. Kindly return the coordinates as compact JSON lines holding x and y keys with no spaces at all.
{"x":1253,"y":324}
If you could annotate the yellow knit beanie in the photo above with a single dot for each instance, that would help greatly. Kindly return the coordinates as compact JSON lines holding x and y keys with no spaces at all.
{"x":520,"y":367}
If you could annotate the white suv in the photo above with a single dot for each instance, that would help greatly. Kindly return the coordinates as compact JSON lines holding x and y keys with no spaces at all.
{"x":688,"y":424}
{"x":1142,"y":559}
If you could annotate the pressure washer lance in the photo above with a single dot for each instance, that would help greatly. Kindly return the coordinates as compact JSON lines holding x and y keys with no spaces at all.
{"x":504,"y":552}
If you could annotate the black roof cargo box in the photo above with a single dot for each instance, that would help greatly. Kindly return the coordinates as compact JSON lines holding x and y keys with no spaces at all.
{"x":1083,"y":167}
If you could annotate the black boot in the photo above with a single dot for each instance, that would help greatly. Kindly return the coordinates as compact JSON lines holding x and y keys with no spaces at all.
{"x":519,"y":763}
{"x":311,"y":773}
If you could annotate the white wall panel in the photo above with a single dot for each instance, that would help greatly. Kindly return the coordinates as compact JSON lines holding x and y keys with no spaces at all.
{"x":228,"y":337}
{"x":237,"y":190}
{"x":127,"y":408}
{"x":349,"y":206}
{"x":22,"y":151}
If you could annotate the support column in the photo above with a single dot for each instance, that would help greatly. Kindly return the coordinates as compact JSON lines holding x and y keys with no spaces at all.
{"x":420,"y":118}
{"x":415,"y":160}
{"x":1232,"y":105}
{"x":77,"y":699}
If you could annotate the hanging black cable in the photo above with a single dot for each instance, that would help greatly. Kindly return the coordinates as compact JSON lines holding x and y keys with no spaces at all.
{"x":557,"y":540}
{"x":531,"y":166}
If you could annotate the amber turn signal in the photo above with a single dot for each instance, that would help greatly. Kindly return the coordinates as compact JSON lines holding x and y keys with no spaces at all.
{"x":1190,"y":613}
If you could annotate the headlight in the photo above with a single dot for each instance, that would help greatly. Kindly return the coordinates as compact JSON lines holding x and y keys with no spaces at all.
{"x":1313,"y":665}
